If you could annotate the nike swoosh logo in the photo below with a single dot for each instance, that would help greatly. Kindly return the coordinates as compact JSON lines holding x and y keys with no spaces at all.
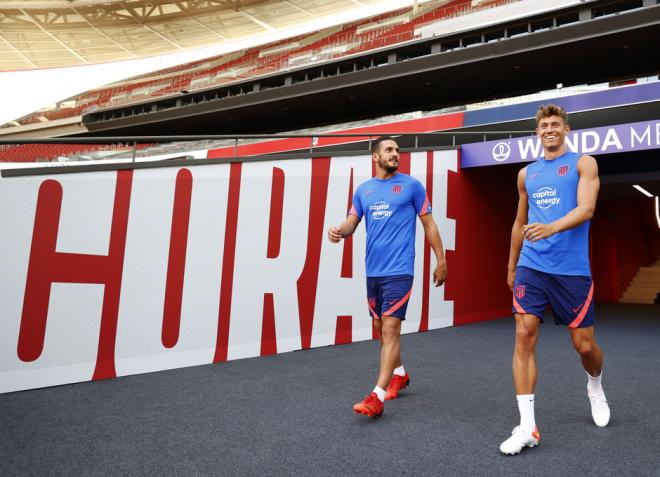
{"x":575,"y":310}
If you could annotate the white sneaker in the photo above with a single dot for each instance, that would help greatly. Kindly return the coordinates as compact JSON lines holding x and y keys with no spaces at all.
{"x":600,"y":410}
{"x":519,"y":439}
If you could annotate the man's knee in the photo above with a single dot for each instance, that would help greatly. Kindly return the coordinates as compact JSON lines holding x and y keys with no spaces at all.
{"x":390,"y":328}
{"x":584,"y":347}
{"x":584,"y":341}
{"x":526,"y":334}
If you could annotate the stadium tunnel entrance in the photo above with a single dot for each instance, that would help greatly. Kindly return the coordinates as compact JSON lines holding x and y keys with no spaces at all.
{"x":625,"y":230}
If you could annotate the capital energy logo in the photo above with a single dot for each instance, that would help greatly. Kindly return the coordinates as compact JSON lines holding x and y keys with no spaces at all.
{"x":546,"y":197}
{"x":501,"y":151}
{"x":380,"y":210}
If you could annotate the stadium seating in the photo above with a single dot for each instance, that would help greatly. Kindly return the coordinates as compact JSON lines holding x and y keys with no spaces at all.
{"x":50,"y":152}
{"x":364,"y":35}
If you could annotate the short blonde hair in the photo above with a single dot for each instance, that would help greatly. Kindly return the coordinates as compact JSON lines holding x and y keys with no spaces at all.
{"x":547,"y":110}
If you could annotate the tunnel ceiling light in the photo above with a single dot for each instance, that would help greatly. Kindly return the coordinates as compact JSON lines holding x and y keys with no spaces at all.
{"x":642,"y":190}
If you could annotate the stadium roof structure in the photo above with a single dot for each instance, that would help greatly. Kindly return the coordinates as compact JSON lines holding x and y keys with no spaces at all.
{"x":55,"y":33}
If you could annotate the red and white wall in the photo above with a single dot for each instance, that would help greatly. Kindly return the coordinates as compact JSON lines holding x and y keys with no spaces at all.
{"x":114,"y":273}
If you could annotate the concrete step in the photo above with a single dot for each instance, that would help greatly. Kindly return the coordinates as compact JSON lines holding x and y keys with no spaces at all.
{"x":639,"y":300}
{"x":640,"y":293}
{"x":648,"y":282}
{"x":651,"y":271}
{"x":644,"y":287}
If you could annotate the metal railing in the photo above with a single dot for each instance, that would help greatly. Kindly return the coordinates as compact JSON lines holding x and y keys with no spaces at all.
{"x":236,"y":148}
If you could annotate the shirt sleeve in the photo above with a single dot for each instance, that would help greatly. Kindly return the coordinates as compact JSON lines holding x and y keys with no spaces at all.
{"x":421,"y":200}
{"x":356,"y":207}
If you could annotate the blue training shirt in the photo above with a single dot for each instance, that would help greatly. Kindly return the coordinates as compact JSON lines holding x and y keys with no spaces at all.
{"x":390,"y":208}
{"x":552,"y":193}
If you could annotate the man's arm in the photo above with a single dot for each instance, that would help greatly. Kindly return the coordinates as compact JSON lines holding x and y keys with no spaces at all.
{"x":587,"y":193}
{"x":517,"y":229}
{"x":433,"y":236}
{"x":347,"y":227}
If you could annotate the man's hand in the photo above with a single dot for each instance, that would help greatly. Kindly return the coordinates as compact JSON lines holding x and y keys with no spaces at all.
{"x":511,"y":278}
{"x":536,"y":231}
{"x":440,"y":274}
{"x":334,"y":234}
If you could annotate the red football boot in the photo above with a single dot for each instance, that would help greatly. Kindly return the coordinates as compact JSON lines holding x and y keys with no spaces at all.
{"x":397,"y":383}
{"x":370,"y":406}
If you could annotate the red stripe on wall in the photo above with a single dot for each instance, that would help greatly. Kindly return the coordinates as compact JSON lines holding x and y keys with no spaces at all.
{"x":434,"y":123}
{"x":276,"y":209}
{"x":404,"y":163}
{"x":46,"y":266}
{"x":308,"y":280}
{"x":32,"y":330}
{"x":426,"y":275}
{"x":176,"y":264}
{"x":105,"y":360}
{"x":268,"y":335}
{"x":347,"y":256}
{"x":344,"y":330}
{"x":229,"y":256}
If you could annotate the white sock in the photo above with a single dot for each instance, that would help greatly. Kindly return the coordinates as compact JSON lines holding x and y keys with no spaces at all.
{"x":380,"y":392}
{"x":400,"y":371}
{"x":594,"y":386}
{"x":526,"y":408}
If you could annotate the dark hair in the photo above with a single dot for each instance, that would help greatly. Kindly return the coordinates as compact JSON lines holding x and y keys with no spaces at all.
{"x":376,"y":143}
{"x":547,"y":110}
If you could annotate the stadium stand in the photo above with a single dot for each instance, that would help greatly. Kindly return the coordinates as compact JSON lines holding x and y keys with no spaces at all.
{"x":167,"y":150}
{"x":50,"y":152}
{"x":331,"y":43}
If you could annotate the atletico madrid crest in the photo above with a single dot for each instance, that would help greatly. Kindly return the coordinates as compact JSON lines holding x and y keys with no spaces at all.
{"x":396,"y":189}
{"x":520,"y":291}
{"x":563,"y":170}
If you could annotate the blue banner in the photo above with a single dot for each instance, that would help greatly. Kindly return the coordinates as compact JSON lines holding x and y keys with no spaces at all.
{"x":603,"y":140}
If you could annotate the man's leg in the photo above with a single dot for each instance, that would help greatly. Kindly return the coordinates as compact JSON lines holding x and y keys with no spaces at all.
{"x":398,"y":381}
{"x":591,"y":355}
{"x":390,"y":353}
{"x":389,"y":331}
{"x":395,"y":291}
{"x":524,"y":379}
{"x":378,"y":326}
{"x":524,"y":354}
{"x":585,"y":344}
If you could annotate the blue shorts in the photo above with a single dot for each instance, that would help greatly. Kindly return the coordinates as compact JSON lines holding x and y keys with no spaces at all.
{"x":571,"y":297}
{"x":389,"y":295}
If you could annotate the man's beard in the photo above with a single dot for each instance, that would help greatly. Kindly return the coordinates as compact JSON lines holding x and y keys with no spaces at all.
{"x":387,"y":167}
